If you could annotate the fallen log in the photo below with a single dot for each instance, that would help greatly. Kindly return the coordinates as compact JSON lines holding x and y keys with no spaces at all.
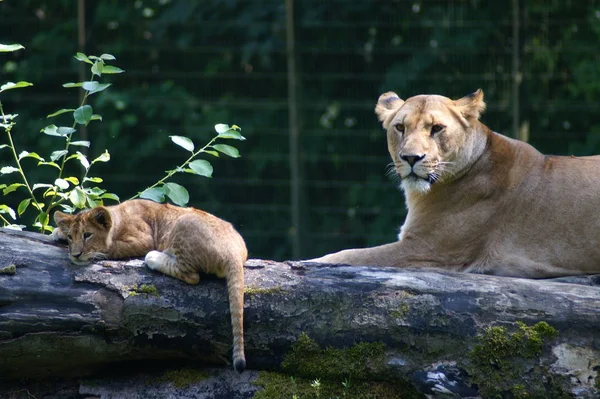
{"x":445,"y":334}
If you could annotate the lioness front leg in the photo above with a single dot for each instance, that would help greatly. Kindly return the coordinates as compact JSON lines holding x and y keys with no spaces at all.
{"x":384,"y":255}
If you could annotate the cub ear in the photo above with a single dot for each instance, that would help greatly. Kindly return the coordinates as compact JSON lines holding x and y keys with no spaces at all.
{"x":386,"y":107}
{"x":472,"y":105}
{"x":101,"y":216}
{"x":63,"y":220}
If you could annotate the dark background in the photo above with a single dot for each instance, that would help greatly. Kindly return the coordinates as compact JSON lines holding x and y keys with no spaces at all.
{"x":192,"y":64}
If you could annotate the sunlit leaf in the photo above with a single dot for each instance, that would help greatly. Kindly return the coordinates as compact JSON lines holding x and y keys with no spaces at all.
{"x":213,"y":153}
{"x":12,"y":85}
{"x":93,"y":179}
{"x":81,"y":158}
{"x":109,"y":69}
{"x":23,"y":206}
{"x":4,"y":146}
{"x":183,"y":142}
{"x":104,"y":157}
{"x":94,"y":87}
{"x":8,"y":169}
{"x":57,"y":154}
{"x":62,"y":184}
{"x":221,"y":128}
{"x":53,"y":164}
{"x":9,"y":210}
{"x":27,"y":154}
{"x":77,"y":197}
{"x":82,"y":143}
{"x":82,"y":57}
{"x":53,"y":130}
{"x":227,"y":150}
{"x":73,"y":180}
{"x":12,"y":187}
{"x":110,"y":196}
{"x":45,"y":227}
{"x":201,"y":167}
{"x":83,"y":114}
{"x":97,"y":68}
{"x":156,"y":194}
{"x":107,"y":57}
{"x":71,"y":84}
{"x":177,"y":193}
{"x":41,"y":185}
{"x":96,"y":117}
{"x":37,"y":205}
{"x":59,"y":112}
{"x":231,"y":134}
{"x":93,"y":202}
{"x":4,"y":48}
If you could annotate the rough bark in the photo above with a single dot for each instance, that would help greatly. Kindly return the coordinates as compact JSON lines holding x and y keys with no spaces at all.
{"x":62,"y":320}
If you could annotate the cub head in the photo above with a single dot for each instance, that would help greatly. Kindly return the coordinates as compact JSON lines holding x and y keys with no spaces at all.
{"x":430,"y":138}
{"x":87,"y":233}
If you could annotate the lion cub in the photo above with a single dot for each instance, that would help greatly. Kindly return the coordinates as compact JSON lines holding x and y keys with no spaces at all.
{"x":176,"y":241}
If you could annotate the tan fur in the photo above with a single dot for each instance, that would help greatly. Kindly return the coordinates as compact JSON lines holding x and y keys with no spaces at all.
{"x":179,"y":242}
{"x":482,"y":202}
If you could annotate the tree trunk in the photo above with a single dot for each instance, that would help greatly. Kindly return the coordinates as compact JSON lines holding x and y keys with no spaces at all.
{"x":442,"y":333}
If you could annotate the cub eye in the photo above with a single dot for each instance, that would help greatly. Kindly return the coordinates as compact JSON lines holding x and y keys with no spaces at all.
{"x":87,"y":235}
{"x":437,"y":128}
{"x":399,"y":127}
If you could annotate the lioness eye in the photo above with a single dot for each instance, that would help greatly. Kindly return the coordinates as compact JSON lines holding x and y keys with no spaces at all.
{"x":399,"y":127}
{"x":87,"y":235}
{"x":437,"y":128}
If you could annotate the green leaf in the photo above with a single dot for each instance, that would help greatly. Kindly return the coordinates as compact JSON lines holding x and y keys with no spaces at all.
{"x":156,"y":194}
{"x":96,"y":117}
{"x":53,"y":130}
{"x":201,"y":167}
{"x":37,"y":206}
{"x":81,"y":158}
{"x":8,"y":169}
{"x":77,"y":197}
{"x":4,"y":146}
{"x":97,"y":68}
{"x":67,"y":208}
{"x":227,"y":150}
{"x":95,"y":192}
{"x":41,"y":185}
{"x":12,"y":85}
{"x":82,"y":57}
{"x":93,"y":202}
{"x":231,"y":134}
{"x":107,"y":57}
{"x":5,"y":48}
{"x":49,"y":164}
{"x":83,"y":114}
{"x":93,"y":179}
{"x":42,"y":219}
{"x":62,"y":111}
{"x":109,"y":69}
{"x":26,"y":154}
{"x":81,"y":143}
{"x":62,"y":184}
{"x":46,"y":227}
{"x":73,"y":180}
{"x":57,"y":154}
{"x":104,"y":157}
{"x":110,"y":196}
{"x":213,"y":153}
{"x":13,"y":187}
{"x":23,"y":206}
{"x":9,"y":210}
{"x":183,"y":142}
{"x":94,"y":87}
{"x":177,"y":193}
{"x":221,"y":128}
{"x":71,"y":84}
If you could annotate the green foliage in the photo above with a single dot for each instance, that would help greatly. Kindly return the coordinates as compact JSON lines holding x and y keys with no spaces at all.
{"x":70,"y":192}
{"x":504,"y":363}
{"x":177,"y":193}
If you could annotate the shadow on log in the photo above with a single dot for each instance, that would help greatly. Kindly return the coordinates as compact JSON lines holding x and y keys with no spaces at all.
{"x":445,"y":334}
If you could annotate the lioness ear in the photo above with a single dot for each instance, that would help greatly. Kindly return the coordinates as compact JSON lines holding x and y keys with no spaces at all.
{"x":472,"y":105}
{"x":63,"y":220}
{"x":387,"y":105}
{"x":101,"y":216}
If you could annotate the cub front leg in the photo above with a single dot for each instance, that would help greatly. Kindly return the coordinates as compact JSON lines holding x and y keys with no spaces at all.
{"x":58,"y":235}
{"x":166,"y":263}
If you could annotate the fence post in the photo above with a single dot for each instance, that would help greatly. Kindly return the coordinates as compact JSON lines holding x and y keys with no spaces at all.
{"x":298,"y":226}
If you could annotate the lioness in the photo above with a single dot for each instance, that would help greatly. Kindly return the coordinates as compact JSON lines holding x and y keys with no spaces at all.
{"x":481,"y":202}
{"x":179,"y":242}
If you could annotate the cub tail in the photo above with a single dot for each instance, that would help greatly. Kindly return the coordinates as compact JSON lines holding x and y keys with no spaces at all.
{"x":235,"y":290}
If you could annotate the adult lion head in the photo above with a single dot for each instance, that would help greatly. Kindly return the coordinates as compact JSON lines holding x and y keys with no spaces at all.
{"x":430,"y":138}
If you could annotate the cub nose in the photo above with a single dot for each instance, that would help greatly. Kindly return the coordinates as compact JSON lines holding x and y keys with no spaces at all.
{"x":412,"y":159}
{"x":76,"y":254}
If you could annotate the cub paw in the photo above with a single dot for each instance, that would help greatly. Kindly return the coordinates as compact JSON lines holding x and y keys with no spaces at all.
{"x":154,"y":259}
{"x":58,"y":235}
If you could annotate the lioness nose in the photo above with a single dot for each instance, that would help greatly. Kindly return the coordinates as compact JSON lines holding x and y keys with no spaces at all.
{"x":412,"y":159}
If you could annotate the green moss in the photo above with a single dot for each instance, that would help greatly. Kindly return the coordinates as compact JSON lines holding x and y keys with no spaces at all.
{"x":506,"y":362}
{"x":355,"y":372}
{"x":402,"y":312}
{"x":278,"y":385}
{"x":182,"y":378}
{"x":143,"y":289}
{"x":252,"y":291}
{"x":10,"y":269}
